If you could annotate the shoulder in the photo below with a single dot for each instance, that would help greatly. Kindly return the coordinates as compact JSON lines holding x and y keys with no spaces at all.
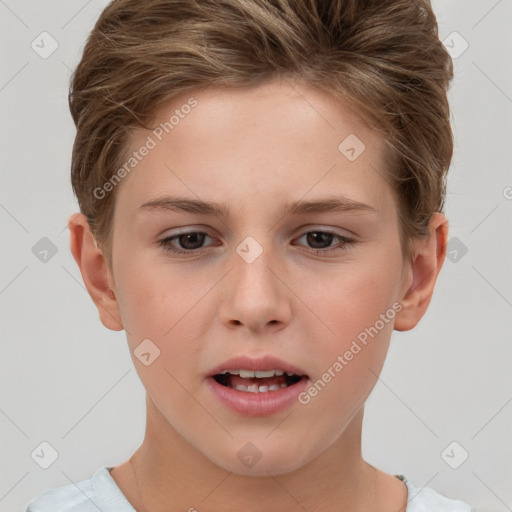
{"x":99,"y":492}
{"x":428,"y":500}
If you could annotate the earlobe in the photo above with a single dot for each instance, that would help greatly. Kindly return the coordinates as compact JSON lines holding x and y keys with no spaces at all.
{"x":430,"y":252}
{"x":94,"y":270}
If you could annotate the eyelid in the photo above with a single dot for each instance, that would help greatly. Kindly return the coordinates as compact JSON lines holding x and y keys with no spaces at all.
{"x":343,"y":232}
{"x":186,"y":230}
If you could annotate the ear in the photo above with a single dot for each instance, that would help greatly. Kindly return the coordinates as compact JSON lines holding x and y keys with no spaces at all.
{"x":421,"y":275}
{"x":95,"y":272}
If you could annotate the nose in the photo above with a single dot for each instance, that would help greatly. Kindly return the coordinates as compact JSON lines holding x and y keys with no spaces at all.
{"x":255,"y":295}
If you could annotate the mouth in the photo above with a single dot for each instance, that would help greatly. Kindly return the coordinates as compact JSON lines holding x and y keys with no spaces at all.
{"x":256,"y":386}
{"x":257,"y":381}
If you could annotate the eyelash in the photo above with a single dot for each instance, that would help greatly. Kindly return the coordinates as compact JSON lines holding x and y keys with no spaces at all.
{"x":343,"y":245}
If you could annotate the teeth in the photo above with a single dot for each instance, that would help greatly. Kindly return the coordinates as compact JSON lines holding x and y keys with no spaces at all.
{"x":250,"y":374}
{"x":262,"y":374}
{"x":254,"y":388}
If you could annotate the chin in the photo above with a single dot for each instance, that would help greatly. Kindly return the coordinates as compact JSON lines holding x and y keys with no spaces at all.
{"x":251,"y":461}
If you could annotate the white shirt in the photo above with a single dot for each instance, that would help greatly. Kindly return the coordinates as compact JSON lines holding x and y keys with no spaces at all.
{"x":101,"y":493}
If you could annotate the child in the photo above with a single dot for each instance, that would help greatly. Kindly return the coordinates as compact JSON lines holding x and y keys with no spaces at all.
{"x":258,"y":128}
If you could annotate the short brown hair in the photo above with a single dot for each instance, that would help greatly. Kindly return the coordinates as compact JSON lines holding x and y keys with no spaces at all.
{"x":383,"y":57}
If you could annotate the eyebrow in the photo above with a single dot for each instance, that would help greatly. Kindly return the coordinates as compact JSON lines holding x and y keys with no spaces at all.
{"x":184,"y":204}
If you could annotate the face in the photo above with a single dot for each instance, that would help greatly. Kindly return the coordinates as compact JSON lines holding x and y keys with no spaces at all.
{"x":314,"y":287}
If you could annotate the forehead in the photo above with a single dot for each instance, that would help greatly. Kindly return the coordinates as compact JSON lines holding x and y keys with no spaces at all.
{"x":281,"y":140}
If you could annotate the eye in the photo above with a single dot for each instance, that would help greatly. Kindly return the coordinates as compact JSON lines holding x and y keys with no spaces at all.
{"x":318,"y":239}
{"x":191,"y":241}
{"x":188,"y":242}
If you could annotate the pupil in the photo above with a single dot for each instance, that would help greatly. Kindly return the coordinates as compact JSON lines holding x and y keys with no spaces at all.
{"x":314,"y":236}
{"x":184,"y":239}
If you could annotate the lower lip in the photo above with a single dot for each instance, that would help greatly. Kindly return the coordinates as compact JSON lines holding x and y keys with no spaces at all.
{"x":257,"y":404}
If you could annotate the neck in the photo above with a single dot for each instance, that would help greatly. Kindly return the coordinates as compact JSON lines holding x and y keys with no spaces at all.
{"x":171,"y":474}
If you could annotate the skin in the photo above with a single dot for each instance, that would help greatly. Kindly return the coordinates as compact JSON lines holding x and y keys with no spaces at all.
{"x":277,"y":141}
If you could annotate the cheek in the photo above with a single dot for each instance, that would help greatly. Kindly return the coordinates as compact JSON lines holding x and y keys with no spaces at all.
{"x":356,"y":303}
{"x":167,"y":306}
{"x":351,"y":297}
{"x":156,"y":297}
{"x":163,"y":305}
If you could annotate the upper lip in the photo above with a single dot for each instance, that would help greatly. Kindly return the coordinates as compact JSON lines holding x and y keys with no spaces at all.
{"x":267,"y":362}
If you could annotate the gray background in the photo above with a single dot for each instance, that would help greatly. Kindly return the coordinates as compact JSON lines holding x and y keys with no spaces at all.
{"x":68,"y":381}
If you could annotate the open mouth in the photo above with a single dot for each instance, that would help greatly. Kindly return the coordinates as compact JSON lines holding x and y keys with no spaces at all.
{"x":250,"y":381}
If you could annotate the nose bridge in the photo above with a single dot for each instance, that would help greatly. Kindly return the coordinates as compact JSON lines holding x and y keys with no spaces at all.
{"x":255,"y":296}
{"x":253,"y":261}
